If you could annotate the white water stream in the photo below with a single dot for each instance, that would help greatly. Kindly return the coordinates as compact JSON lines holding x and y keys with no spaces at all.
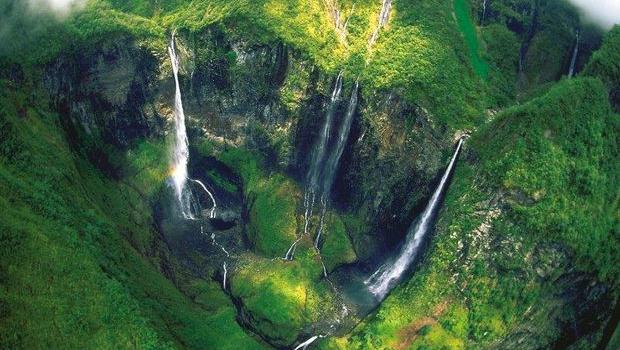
{"x":573,"y":61}
{"x":385,"y":278}
{"x":180,"y":151}
{"x":384,"y":16}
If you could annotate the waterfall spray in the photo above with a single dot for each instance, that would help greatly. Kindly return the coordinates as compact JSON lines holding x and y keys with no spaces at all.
{"x":383,"y":280}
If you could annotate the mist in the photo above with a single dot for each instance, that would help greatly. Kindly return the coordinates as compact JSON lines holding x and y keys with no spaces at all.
{"x":24,"y":22}
{"x":60,"y":8}
{"x":604,"y":13}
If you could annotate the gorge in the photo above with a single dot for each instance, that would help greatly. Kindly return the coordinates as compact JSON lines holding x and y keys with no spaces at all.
{"x":284,"y":174}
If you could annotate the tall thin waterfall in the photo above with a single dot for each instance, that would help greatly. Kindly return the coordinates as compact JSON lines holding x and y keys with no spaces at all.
{"x":384,"y":279}
{"x":331,"y":166}
{"x":304,"y":345}
{"x":484,"y":10}
{"x":343,"y":135}
{"x":180,"y":151}
{"x":320,"y":148}
{"x":573,"y":61}
{"x":383,"y":19}
{"x":315,"y":171}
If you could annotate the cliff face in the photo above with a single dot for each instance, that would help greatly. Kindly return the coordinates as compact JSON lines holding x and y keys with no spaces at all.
{"x":522,"y":253}
{"x":507,"y":268}
{"x":265,"y":98}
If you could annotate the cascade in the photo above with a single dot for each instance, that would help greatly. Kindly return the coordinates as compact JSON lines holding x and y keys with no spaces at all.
{"x":318,"y":158}
{"x":383,"y":18}
{"x":320,"y":147}
{"x":305,"y":344}
{"x":180,"y":152}
{"x":331,"y":166}
{"x":484,"y":10}
{"x":381,"y":282}
{"x":343,"y":135}
{"x":573,"y":61}
{"x":224,"y":279}
{"x":323,"y":167}
{"x":212,"y":212}
{"x":317,"y":240}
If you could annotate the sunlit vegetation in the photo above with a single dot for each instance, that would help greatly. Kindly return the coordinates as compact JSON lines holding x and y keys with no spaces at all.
{"x":466,"y":25}
{"x":78,"y":248}
{"x":82,"y":264}
{"x":554,"y":163}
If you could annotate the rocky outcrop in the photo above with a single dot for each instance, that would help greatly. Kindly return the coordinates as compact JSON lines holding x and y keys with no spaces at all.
{"x":108,"y":91}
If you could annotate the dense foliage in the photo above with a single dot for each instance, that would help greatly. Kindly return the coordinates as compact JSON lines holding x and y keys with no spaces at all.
{"x":531,"y":213}
{"x":79,"y":255}
{"x":544,"y":175}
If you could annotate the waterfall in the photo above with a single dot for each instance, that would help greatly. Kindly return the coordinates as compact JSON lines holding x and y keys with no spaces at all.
{"x":305,"y":344}
{"x":331,"y":166}
{"x":383,"y":18}
{"x":318,"y":158}
{"x":571,"y":70}
{"x":224,"y":279}
{"x":381,"y":282}
{"x":212,"y":211}
{"x":180,"y":152}
{"x":343,"y":135}
{"x":317,"y":240}
{"x":320,"y":148}
{"x":484,"y":11}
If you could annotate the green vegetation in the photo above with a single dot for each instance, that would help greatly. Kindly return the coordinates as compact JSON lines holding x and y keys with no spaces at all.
{"x":279,"y":298}
{"x":605,"y":65}
{"x":220,"y":181}
{"x":337,"y":248}
{"x":271,"y":199}
{"x":71,"y":278}
{"x":503,"y":52}
{"x":557,"y":168}
{"x":467,"y":27}
{"x":418,"y":53}
{"x":563,"y":167}
{"x":534,"y":199}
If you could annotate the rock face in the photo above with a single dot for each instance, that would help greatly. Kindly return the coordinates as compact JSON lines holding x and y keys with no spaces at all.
{"x":270,"y":99}
{"x":108,"y":91}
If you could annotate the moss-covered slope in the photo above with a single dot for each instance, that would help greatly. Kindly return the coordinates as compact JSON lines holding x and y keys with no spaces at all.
{"x":82,"y":266}
{"x":529,"y":217}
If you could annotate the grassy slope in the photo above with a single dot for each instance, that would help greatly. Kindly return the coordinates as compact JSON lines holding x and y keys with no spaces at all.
{"x":462,"y":10}
{"x":70,"y":277}
{"x":279,"y":297}
{"x":418,"y":54}
{"x":560,"y":151}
